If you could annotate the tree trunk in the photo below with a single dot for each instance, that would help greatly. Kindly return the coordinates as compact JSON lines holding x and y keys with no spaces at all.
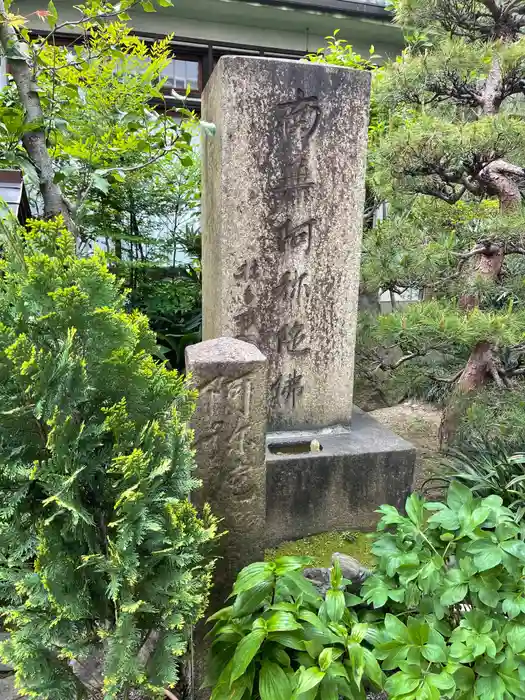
{"x":34,"y":139}
{"x":479,"y":367}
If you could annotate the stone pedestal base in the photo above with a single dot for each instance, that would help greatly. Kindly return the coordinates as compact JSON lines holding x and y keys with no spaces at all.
{"x":339,"y":485}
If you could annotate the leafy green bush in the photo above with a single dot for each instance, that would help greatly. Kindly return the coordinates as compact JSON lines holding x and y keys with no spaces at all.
{"x":487,"y":467}
{"x":452,"y":579}
{"x":444,"y":613}
{"x":101,"y":553}
{"x":279,"y":639}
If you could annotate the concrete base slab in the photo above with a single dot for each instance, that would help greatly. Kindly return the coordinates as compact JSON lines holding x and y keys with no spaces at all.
{"x":355,"y":470}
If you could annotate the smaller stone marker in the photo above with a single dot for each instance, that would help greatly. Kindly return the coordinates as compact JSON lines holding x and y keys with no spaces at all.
{"x":230,"y":431}
{"x":230,"y":428}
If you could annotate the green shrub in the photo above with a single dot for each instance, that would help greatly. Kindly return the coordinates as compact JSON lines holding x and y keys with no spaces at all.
{"x":487,"y":467}
{"x":279,"y":639}
{"x":443,"y":613}
{"x":452,"y":578}
{"x":101,"y":553}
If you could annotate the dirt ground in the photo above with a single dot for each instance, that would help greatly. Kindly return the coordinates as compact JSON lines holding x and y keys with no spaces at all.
{"x":418,"y":423}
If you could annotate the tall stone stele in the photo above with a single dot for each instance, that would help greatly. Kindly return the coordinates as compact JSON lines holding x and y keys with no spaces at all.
{"x":283,"y":197}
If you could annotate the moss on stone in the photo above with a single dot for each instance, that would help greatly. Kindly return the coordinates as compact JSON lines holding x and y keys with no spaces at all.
{"x":321,"y":547}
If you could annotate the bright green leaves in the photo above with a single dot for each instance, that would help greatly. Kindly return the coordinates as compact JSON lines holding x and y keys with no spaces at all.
{"x":245,"y":651}
{"x":486,"y":554}
{"x":449,"y":586}
{"x":100,"y":533}
{"x":274,"y":684}
{"x":281,"y":637}
{"x":335,"y":604}
{"x":252,"y":576}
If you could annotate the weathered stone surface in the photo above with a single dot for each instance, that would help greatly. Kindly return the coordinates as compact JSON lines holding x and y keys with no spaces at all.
{"x":230,"y":426}
{"x":351,"y":568}
{"x":319,"y":577}
{"x":7,"y":688}
{"x":339,"y":487}
{"x":283,"y":194}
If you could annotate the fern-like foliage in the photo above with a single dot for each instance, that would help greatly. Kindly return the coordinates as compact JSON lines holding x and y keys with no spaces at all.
{"x":102,"y":556}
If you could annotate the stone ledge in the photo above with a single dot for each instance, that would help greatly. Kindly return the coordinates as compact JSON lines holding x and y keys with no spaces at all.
{"x":338,"y":488}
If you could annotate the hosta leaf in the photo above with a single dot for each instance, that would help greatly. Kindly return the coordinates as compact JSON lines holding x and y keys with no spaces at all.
{"x":328,"y":690}
{"x":287,"y":639}
{"x":308,"y":678}
{"x":282,"y":621}
{"x":335,"y":604}
{"x":245,"y":651}
{"x":325,"y":659}
{"x":253,"y":575}
{"x":285,"y":564}
{"x":248,"y":601}
{"x":274,"y":684}
{"x":372,"y":669}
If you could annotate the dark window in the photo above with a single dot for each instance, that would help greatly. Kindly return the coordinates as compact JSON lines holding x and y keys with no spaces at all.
{"x":183,"y":73}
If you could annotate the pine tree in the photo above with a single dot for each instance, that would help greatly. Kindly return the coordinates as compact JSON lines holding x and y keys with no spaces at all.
{"x":448,"y":154}
{"x":102,"y":556}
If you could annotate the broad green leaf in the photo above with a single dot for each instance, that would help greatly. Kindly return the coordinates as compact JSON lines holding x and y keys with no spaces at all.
{"x":434,"y":653}
{"x":245,"y":651}
{"x":308,"y":678}
{"x":274,"y":684}
{"x":165,"y":3}
{"x":285,"y":564}
{"x":486,"y":554}
{"x":454,"y":594}
{"x":372,"y":669}
{"x":295,"y":580}
{"x":100,"y":183}
{"x":464,"y":678}
{"x":414,"y":508}
{"x":335,"y":604}
{"x":458,"y":495}
{"x":401,"y":684}
{"x":249,"y":601}
{"x":282,"y":621}
{"x":447,"y":518}
{"x":328,"y":690}
{"x":395,"y":628}
{"x":147,"y":6}
{"x":516,"y":548}
{"x":288,"y":639}
{"x":356,"y":656}
{"x":516,"y":638}
{"x":325,"y":658}
{"x":253,"y":575}
{"x":52,"y":17}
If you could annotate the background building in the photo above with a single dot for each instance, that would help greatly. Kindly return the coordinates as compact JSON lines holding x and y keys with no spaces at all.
{"x":204,"y":30}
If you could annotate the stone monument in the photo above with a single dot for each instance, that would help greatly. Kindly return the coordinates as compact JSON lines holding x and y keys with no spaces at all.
{"x":283,"y":196}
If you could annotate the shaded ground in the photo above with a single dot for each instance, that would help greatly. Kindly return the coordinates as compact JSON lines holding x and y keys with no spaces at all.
{"x":418,"y":423}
